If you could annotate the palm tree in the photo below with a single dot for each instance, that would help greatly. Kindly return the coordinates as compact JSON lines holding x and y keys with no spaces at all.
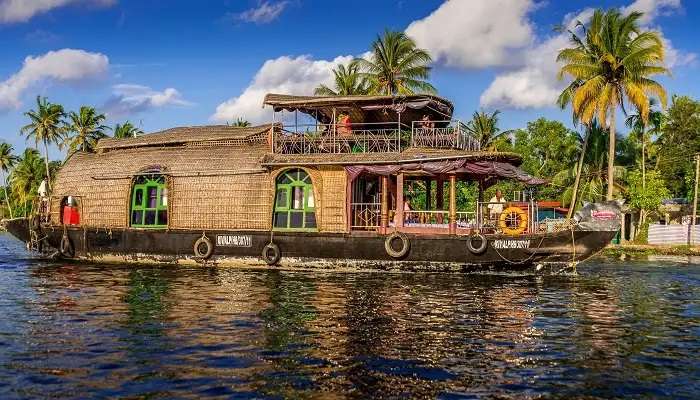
{"x":241,"y":123}
{"x":27,"y":175}
{"x":484,"y":128}
{"x":611,"y":65}
{"x":642,"y":129}
{"x":587,"y":180}
{"x":7,"y":161}
{"x":396,"y":66}
{"x":45,"y":127}
{"x":126,"y":130}
{"x":348,"y":82}
{"x":87,"y":128}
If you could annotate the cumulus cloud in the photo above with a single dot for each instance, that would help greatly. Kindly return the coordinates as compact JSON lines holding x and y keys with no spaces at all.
{"x":128,"y":99}
{"x":23,"y":10}
{"x":290,"y":75}
{"x":65,"y":66}
{"x":534,"y":84}
{"x":475,"y":33}
{"x":265,"y":12}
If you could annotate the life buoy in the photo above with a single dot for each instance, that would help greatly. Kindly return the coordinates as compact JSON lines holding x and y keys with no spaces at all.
{"x":66,"y":248}
{"x":203,"y":248}
{"x":513,"y":221}
{"x":271,"y":254}
{"x":483,"y":243}
{"x":389,"y":245}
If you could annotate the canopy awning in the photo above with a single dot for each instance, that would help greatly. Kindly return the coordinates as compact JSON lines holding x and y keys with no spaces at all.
{"x":368,"y":109}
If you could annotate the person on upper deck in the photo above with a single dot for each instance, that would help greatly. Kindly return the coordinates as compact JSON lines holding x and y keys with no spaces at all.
{"x":344,"y":125}
{"x":426,"y":123}
{"x":496,"y":205}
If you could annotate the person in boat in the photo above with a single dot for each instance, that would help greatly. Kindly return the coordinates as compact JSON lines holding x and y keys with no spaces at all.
{"x":43,"y":197}
{"x":426,"y":123}
{"x":344,"y":125}
{"x":496,"y":206}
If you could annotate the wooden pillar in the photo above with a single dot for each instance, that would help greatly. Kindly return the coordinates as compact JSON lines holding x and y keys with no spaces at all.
{"x":399,"y":200}
{"x":453,"y":204}
{"x":439,"y":194}
{"x":428,"y":195}
{"x":384,"y":222}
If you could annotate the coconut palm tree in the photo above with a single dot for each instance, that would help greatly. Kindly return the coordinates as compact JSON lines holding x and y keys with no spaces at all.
{"x":612,"y":64}
{"x":126,"y":130}
{"x":587,"y":181}
{"x":27,"y":176}
{"x":241,"y":123}
{"x":86,"y":126}
{"x":45,"y":126}
{"x":7,"y":161}
{"x":484,"y":128}
{"x":396,"y":66}
{"x":347,"y":81}
{"x":642,"y":129}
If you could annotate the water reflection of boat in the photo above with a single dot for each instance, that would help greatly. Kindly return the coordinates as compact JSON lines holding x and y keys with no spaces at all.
{"x":319,"y":194}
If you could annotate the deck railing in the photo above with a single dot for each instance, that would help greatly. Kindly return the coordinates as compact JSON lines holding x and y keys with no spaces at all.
{"x":366,"y":215}
{"x":443,"y":134}
{"x":339,"y":139}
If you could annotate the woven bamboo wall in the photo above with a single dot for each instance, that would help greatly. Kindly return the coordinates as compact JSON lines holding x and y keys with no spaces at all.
{"x":334,"y":207}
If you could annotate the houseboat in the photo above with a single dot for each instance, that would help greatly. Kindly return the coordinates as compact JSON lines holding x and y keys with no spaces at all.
{"x":365,"y":182}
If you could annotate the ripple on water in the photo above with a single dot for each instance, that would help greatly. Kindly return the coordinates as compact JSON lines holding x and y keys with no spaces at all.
{"x":613,"y":330}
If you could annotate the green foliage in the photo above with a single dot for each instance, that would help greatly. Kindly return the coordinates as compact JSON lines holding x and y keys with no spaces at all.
{"x":126,"y":130}
{"x":396,"y":66}
{"x":646,"y":195}
{"x":347,"y":80}
{"x":86,"y":128}
{"x":484,"y":127}
{"x":678,"y":142}
{"x":46,"y":126}
{"x":240,"y":123}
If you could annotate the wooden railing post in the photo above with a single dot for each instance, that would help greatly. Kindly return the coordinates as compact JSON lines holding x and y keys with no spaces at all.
{"x":453,"y":205}
{"x":399,"y":200}
{"x":384,"y":221}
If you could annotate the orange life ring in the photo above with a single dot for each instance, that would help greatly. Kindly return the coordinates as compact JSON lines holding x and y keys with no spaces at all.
{"x":513,"y":221}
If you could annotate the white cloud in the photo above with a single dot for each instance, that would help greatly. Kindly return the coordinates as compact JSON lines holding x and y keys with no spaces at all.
{"x":653,"y":8}
{"x":285,"y":75}
{"x":475,"y":33}
{"x":65,"y":65}
{"x":265,"y":12}
{"x":128,"y":99}
{"x":23,"y":10}
{"x":535,"y":84}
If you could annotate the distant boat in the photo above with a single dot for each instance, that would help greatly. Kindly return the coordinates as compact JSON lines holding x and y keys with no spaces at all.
{"x":327,"y":194}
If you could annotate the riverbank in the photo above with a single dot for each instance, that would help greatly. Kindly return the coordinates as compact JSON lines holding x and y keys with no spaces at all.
{"x":641,"y":250}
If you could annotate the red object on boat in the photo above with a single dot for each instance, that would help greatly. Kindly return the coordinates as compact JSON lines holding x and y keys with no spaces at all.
{"x":71,"y":216}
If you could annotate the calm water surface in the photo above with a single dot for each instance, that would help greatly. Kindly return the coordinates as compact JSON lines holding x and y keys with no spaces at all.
{"x":82,"y":331}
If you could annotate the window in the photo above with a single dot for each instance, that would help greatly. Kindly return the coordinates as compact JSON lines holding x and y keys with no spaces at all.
{"x":294,"y":201}
{"x":149,"y":202}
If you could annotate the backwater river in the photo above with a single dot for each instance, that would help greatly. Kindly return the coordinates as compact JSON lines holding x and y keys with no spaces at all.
{"x":615,"y":329}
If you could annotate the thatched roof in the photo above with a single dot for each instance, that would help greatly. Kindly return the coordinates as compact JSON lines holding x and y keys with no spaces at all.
{"x":411,"y":154}
{"x":365,"y":108}
{"x":189,"y":134}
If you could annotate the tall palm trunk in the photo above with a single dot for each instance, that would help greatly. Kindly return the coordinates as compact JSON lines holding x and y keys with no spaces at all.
{"x":7,"y":196}
{"x":46,"y":160}
{"x":611,"y":157}
{"x":579,"y":168}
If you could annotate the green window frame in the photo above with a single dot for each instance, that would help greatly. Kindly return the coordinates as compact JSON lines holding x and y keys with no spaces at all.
{"x":149,"y":202}
{"x":295,"y":205}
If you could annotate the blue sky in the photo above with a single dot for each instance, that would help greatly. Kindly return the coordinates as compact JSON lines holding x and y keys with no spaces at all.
{"x":165,"y":63}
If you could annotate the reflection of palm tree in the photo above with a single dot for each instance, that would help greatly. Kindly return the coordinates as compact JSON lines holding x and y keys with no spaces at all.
{"x":396,"y":66}
{"x":612,"y":63}
{"x":591,"y":182}
{"x":146,"y":299}
{"x":347,"y":81}
{"x":7,"y":161}
{"x":484,"y":128}
{"x":45,"y":127}
{"x":86,"y":125}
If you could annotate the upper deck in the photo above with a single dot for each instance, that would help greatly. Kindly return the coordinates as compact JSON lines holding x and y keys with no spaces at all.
{"x":367,"y":124}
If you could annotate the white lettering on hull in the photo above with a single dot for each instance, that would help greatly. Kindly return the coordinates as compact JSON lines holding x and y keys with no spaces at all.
{"x":511,"y":244}
{"x":234,"y":240}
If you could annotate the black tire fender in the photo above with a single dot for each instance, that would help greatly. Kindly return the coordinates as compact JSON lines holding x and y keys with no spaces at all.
{"x":203,"y":248}
{"x":484,"y":243}
{"x":66,"y":248}
{"x":405,"y":245}
{"x":271,"y":254}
